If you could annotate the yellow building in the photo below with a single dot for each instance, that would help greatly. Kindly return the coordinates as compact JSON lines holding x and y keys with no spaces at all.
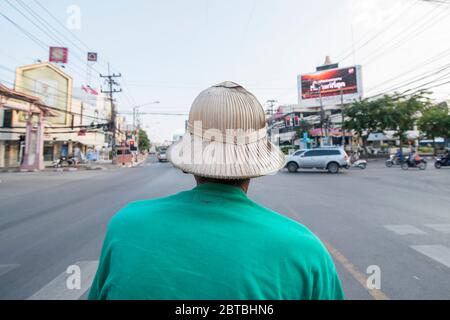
{"x":79,"y":123}
{"x":22,"y":145}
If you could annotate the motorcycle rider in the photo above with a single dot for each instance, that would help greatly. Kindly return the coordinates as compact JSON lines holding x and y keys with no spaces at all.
{"x":445,"y":157}
{"x":412,"y":157}
{"x":399,"y":154}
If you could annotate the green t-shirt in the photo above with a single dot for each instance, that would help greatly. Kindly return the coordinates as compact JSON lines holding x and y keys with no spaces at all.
{"x":211,"y":242}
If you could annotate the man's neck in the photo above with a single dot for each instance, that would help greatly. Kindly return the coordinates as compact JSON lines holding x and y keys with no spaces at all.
{"x":241,"y":184}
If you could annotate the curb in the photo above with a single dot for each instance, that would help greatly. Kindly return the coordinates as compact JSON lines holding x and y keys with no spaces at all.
{"x":64,"y":170}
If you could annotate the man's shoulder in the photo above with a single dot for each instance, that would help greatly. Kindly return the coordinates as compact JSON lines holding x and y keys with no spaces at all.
{"x":289,"y":232}
{"x":136,"y":211}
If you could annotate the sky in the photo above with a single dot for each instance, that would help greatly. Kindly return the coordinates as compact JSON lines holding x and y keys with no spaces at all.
{"x":170,"y":50}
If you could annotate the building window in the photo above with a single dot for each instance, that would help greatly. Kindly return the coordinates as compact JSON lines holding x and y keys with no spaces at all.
{"x":48,"y":153}
{"x":7,"y":118}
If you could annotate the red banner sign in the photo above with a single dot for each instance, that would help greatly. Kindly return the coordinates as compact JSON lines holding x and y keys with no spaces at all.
{"x":59,"y":54}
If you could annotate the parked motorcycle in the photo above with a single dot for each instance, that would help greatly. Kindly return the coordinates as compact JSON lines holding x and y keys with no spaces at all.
{"x":71,"y":161}
{"x":442,"y":161}
{"x":58,"y":163}
{"x":354,"y":161}
{"x":393,"y":160}
{"x":421,"y":164}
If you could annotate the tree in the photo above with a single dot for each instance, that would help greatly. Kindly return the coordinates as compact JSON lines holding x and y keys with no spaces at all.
{"x":303,"y":126}
{"x":435,"y":122}
{"x":144,"y":141}
{"x":402,"y":115}
{"x":368,"y":116}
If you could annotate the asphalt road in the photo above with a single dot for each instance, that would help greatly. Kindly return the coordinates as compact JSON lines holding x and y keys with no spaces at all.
{"x":395,"y":220}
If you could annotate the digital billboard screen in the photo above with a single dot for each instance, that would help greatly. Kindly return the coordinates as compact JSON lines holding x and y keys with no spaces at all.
{"x":328,"y":85}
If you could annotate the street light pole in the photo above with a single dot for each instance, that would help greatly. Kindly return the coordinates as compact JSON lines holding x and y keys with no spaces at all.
{"x":136,"y":121}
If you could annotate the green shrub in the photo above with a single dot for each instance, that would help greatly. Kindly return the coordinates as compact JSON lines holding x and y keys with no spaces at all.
{"x":426,"y":149}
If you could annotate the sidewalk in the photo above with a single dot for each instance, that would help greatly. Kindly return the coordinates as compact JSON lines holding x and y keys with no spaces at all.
{"x":97,"y":165}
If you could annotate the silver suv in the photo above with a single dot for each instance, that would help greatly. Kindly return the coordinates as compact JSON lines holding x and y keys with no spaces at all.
{"x":329,"y":158}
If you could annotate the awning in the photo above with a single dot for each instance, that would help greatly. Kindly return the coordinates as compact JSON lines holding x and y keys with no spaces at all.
{"x":380,"y":137}
{"x":436,"y":140}
{"x":330,"y":132}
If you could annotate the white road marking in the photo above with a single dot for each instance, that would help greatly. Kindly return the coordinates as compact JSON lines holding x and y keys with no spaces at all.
{"x":436,"y":252}
{"x":5,"y":268}
{"x":57,"y":288}
{"x":404,"y":229}
{"x":444,"y":228}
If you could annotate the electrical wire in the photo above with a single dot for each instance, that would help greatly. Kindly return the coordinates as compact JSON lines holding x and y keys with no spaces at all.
{"x":386,"y":28}
{"x":58,"y":109}
{"x":416,"y":67}
{"x":51,"y":35}
{"x":414,"y":32}
{"x":419,"y":78}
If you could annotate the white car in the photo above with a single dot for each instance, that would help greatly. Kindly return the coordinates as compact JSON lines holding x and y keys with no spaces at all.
{"x":329,"y":158}
{"x":161,"y":155}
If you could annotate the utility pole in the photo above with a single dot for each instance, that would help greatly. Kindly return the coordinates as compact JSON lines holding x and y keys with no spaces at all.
{"x":136,"y":125}
{"x":137,"y":119}
{"x":109,"y":78}
{"x":322,"y":113}
{"x":271,"y":104}
{"x":343,"y":119}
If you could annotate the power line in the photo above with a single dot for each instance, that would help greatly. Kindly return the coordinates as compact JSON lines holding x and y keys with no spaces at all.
{"x":419,"y":78}
{"x":33,"y":38}
{"x":416,"y":67}
{"x":43,"y":26}
{"x":58,"y":97}
{"x":414,"y":32}
{"x":430,"y":82}
{"x":30,"y":36}
{"x":46,"y":24}
{"x":61,"y":33}
{"x":164,"y":114}
{"x":365,"y":43}
{"x":419,"y":89}
{"x":49,"y":13}
{"x":58,"y":109}
{"x":101,"y":60}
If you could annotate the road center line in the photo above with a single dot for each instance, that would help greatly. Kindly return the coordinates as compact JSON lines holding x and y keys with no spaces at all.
{"x":354,"y":272}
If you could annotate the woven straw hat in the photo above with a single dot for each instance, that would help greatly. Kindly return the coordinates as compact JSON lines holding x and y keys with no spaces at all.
{"x":226,"y":136}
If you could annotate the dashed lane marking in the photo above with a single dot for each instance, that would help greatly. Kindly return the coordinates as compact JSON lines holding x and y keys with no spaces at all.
{"x":444,"y":228}
{"x":404,"y":229}
{"x":5,"y":268}
{"x":57,"y":289}
{"x":436,"y":252}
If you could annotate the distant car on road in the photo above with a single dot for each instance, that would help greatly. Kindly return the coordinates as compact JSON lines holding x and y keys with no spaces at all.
{"x":161,"y":155}
{"x":328,"y":158}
